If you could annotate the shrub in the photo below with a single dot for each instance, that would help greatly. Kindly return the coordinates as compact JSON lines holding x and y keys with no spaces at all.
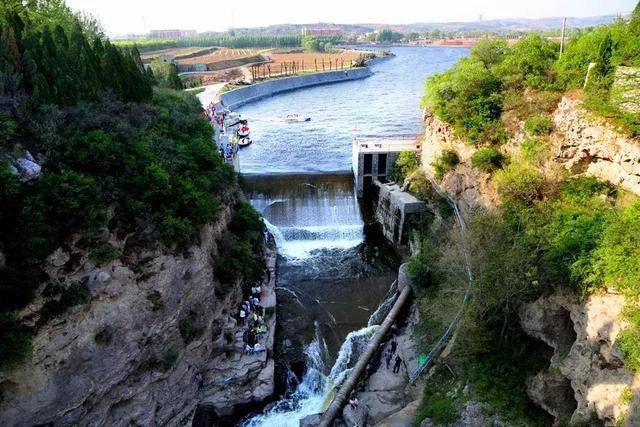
{"x":538,"y":125}
{"x":439,"y":401}
{"x":529,"y":63}
{"x":582,"y":189}
{"x":406,"y":163}
{"x":490,"y":52}
{"x":188,"y":328}
{"x":105,"y":253}
{"x":520,"y":183}
{"x":103,"y":336}
{"x":175,"y":230}
{"x":15,"y":341}
{"x":629,"y":340}
{"x":616,"y":261}
{"x":488,"y":159}
{"x":155,"y":298}
{"x":533,"y":150}
{"x":70,"y":296}
{"x":469,"y":97}
{"x":446,"y":162}
{"x":420,"y":186}
{"x":419,"y":265}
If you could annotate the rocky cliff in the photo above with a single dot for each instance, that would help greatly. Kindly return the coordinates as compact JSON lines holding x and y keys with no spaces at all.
{"x":133,"y":354}
{"x":586,"y":378}
{"x":587,"y":144}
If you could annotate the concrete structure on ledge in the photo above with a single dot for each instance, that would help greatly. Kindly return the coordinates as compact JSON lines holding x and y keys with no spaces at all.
{"x":373,"y":158}
{"x":396,"y":207}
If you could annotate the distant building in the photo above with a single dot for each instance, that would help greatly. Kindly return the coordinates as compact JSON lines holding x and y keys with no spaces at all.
{"x":321,"y":31}
{"x":172,"y":34}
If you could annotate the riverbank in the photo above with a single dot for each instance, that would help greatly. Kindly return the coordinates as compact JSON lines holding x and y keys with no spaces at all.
{"x":245,"y":95}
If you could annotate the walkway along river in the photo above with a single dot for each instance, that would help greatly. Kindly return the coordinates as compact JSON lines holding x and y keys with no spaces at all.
{"x":334,"y":269}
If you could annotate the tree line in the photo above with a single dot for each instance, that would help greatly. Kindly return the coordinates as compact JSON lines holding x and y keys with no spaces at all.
{"x":52,"y":64}
{"x":230,"y":41}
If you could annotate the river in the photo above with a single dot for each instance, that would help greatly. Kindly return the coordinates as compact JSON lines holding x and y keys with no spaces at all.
{"x":334,"y":267}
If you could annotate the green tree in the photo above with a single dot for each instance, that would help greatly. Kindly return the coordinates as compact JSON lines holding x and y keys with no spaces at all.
{"x":634,"y":23}
{"x":490,"y":52}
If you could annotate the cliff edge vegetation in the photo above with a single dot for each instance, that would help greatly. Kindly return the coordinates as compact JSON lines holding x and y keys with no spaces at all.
{"x":93,"y":150}
{"x":544,"y":230}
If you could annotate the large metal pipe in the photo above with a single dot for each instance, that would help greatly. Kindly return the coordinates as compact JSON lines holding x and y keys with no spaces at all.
{"x":349,"y":384}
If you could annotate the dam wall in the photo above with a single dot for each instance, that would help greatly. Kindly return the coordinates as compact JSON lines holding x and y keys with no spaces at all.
{"x":244,"y":95}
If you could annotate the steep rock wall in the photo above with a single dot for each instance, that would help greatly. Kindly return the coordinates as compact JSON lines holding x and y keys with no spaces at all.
{"x":586,"y":144}
{"x":131,"y":355}
{"x":586,"y":364}
{"x":469,"y":186}
{"x":587,"y":375}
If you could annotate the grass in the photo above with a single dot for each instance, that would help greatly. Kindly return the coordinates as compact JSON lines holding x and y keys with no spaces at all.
{"x":441,"y":399}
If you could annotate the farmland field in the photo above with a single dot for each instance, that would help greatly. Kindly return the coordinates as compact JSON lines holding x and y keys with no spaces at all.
{"x":221,"y":55}
{"x":311,"y":59}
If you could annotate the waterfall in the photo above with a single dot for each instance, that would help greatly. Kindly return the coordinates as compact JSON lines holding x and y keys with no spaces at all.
{"x":312,"y":394}
{"x":383,"y":309}
{"x":310,"y":216}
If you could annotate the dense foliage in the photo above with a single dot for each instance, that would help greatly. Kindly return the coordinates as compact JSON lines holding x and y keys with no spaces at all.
{"x":496,"y":78}
{"x":445,"y":162}
{"x":320,"y":44}
{"x":57,"y":65}
{"x":488,"y":159}
{"x":550,"y":231}
{"x":116,"y":154}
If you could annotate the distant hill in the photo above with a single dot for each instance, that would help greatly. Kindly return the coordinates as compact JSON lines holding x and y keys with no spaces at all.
{"x":500,"y":25}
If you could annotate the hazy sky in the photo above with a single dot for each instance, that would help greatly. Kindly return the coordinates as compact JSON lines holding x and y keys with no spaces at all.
{"x":139,"y":16}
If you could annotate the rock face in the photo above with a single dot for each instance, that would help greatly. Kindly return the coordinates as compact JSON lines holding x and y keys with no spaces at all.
{"x":469,"y":186}
{"x":134,"y":354}
{"x":586,"y":376}
{"x":588,"y":145}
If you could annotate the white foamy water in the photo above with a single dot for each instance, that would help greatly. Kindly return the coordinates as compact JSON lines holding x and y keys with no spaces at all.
{"x":315,"y":391}
{"x":307,"y":217}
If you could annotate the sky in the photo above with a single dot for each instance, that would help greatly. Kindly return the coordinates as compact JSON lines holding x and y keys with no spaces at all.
{"x":139,"y":16}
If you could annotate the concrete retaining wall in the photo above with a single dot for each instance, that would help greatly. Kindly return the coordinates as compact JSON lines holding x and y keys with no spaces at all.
{"x":245,"y":95}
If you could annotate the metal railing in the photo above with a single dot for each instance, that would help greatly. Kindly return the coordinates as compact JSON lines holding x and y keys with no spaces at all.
{"x":439,"y":345}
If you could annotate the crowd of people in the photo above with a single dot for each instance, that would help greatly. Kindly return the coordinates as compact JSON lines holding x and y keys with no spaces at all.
{"x":251,"y":314}
{"x":217,"y":116}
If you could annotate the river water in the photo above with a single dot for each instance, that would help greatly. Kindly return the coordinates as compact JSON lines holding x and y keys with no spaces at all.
{"x":334,"y":269}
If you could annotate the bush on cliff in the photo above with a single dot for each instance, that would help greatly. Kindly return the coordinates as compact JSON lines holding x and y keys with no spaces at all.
{"x":488,"y":159}
{"x":469,"y":97}
{"x":445,"y":162}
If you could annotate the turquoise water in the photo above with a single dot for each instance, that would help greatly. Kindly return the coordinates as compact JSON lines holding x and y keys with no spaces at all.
{"x":387,"y":103}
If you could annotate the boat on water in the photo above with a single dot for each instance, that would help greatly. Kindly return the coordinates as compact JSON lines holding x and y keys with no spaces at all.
{"x":243,"y":131}
{"x":296,"y":118}
{"x":244,"y":142}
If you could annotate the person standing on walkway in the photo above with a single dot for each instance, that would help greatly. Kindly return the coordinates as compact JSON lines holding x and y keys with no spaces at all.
{"x":394,"y":346}
{"x":387,"y":357}
{"x":396,"y":365}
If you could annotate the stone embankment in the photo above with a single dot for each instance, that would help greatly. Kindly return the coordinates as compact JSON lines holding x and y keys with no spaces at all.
{"x":244,"y":95}
{"x":157,"y":336}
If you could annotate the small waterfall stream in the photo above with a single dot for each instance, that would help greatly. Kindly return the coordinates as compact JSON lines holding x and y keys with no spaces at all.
{"x":330,"y":266}
{"x":316,"y":389}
